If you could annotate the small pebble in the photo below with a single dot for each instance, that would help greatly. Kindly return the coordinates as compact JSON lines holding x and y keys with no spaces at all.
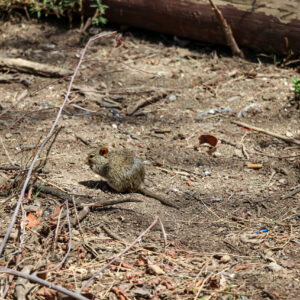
{"x":217,"y":154}
{"x":49,"y":46}
{"x":225,"y":258}
{"x":103,"y":85}
{"x":142,"y":292}
{"x":8,"y":135}
{"x":233,"y":98}
{"x":115,"y":113}
{"x":114,"y":126}
{"x":216,"y":199}
{"x":282,"y":181}
{"x":274,"y":267}
{"x":207,"y":173}
{"x":172,"y":97}
{"x":47,"y":212}
{"x":238,"y":153}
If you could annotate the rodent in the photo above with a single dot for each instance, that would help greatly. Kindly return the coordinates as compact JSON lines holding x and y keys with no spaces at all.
{"x":123,"y":171}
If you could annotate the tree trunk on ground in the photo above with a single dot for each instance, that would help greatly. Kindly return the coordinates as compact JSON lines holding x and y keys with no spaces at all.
{"x":269,"y":25}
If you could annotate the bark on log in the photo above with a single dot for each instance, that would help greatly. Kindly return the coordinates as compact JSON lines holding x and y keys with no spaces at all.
{"x":269,"y":25}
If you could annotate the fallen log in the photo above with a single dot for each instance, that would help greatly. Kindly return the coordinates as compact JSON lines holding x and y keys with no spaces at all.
{"x":272,"y":26}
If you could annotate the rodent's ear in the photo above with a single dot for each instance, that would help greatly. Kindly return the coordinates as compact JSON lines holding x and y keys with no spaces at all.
{"x":103,"y":151}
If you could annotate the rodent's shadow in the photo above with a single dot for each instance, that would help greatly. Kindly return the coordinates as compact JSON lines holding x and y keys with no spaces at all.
{"x":97,"y":185}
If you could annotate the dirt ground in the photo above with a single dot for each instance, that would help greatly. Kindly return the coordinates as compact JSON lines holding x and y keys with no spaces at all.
{"x":236,"y":232}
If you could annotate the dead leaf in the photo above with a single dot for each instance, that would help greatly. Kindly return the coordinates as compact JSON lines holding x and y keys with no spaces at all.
{"x":31,"y":221}
{"x":209,"y":139}
{"x":241,"y":267}
{"x":199,"y":282}
{"x":2,"y":263}
{"x":55,"y":212}
{"x":47,"y":293}
{"x":214,"y":283}
{"x":172,"y":252}
{"x":134,"y":275}
{"x":233,"y":73}
{"x":70,"y":286}
{"x":276,"y":294}
{"x":142,"y":261}
{"x":119,"y":293}
{"x":288,"y":264}
{"x":127,"y":266}
{"x":189,"y":183}
{"x":155,"y":269}
{"x":168,"y":285}
{"x":29,"y":194}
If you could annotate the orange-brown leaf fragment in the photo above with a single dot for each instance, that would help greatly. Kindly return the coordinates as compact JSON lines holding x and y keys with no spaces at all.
{"x":47,"y":293}
{"x":31,"y":221}
{"x":241,"y":267}
{"x":127,"y":266}
{"x":120,"y":293}
{"x":189,"y":183}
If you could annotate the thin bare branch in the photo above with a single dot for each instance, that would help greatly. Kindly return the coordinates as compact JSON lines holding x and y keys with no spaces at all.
{"x":14,"y":217}
{"x":69,"y":244}
{"x":42,"y":282}
{"x":120,"y":254}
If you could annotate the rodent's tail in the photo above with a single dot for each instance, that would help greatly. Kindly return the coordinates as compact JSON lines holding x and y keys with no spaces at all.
{"x":157,"y":197}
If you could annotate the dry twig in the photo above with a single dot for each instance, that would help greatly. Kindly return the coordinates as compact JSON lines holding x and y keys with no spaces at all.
{"x":42,"y":282}
{"x":291,"y":194}
{"x":28,"y":66}
{"x":135,"y":106}
{"x":288,"y":140}
{"x":112,"y":234}
{"x":227,"y":31}
{"x":120,"y":254}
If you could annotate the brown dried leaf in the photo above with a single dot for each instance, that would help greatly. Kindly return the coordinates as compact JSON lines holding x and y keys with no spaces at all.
{"x":31,"y":221}
{"x":155,"y":269}
{"x":288,"y":264}
{"x":209,"y":139}
{"x":189,"y":183}
{"x":55,"y":212}
{"x":47,"y":293}
{"x":241,"y":267}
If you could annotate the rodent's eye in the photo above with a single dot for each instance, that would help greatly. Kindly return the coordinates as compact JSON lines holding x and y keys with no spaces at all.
{"x":103,"y":151}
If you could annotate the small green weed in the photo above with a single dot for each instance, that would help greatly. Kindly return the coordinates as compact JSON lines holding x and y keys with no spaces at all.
{"x":59,"y":8}
{"x":296,"y":86}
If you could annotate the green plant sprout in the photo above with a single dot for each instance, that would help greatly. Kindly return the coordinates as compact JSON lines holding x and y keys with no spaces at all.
{"x":296,"y":86}
{"x":37,"y":191}
{"x":59,"y":8}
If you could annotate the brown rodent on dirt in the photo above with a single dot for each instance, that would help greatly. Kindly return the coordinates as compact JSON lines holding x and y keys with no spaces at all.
{"x":123,"y":171}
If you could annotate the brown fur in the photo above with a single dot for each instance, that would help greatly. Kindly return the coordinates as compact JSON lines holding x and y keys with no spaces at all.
{"x":123,"y":171}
